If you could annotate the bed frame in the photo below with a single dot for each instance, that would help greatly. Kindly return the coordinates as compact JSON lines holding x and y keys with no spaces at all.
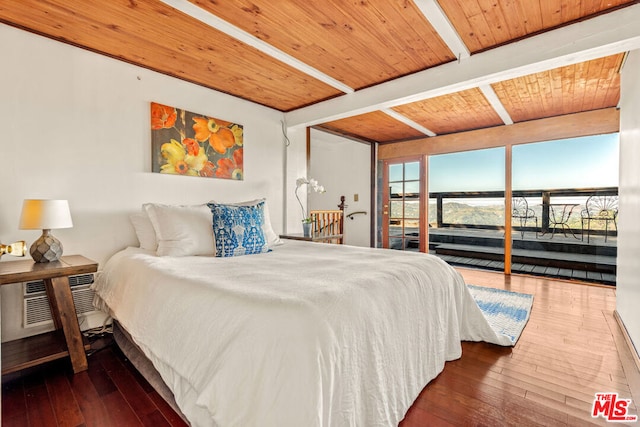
{"x":144,"y":366}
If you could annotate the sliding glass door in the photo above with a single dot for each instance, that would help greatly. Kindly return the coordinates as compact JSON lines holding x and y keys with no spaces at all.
{"x":565,"y":196}
{"x":466,"y":207}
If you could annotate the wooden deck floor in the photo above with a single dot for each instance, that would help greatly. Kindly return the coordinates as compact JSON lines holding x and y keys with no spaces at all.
{"x":537,"y":270}
{"x":534,"y":261}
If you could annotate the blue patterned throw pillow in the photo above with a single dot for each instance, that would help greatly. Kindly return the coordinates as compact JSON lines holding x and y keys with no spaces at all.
{"x":238,"y":229}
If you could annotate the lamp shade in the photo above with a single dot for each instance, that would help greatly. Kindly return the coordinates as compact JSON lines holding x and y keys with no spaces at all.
{"x":40,"y":214}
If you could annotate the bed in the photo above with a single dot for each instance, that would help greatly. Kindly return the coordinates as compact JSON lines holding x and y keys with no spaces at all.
{"x":306,"y":334}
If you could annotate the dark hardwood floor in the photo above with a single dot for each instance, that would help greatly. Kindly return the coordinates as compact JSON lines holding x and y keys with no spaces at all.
{"x":110,"y":393}
{"x":571,"y":348}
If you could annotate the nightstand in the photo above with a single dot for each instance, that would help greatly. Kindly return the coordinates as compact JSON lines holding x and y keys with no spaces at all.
{"x":296,"y":236}
{"x":66,"y":340}
{"x":331,"y":238}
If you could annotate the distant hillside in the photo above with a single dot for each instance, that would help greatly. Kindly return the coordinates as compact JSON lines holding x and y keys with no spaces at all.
{"x":454,"y":213}
{"x":461,"y":213}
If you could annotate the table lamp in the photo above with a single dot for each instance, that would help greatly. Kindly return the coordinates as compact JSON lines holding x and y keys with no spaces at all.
{"x":45,"y":215}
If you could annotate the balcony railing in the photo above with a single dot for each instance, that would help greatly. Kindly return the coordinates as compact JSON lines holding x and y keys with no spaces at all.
{"x":539,"y":200}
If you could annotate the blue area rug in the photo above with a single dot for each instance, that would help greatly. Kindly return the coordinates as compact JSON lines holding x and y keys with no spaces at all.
{"x":507,"y":312}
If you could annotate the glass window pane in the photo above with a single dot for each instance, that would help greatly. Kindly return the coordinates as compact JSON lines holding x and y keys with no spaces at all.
{"x":395,"y":190}
{"x":433,"y":210}
{"x":395,"y":172}
{"x":395,"y":228}
{"x":412,"y":244}
{"x":411,"y":209}
{"x":466,"y":207}
{"x":396,"y":243}
{"x":412,"y":171}
{"x":586,"y":162}
{"x":478,"y":170}
{"x":396,"y":209}
{"x":411,"y":227}
{"x":552,"y":183}
{"x":412,"y":189}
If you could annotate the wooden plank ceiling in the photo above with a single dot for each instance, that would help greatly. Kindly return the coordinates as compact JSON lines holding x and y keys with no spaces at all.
{"x":291,"y":54}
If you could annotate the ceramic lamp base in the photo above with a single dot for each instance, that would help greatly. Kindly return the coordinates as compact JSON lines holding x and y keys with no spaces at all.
{"x":46,"y":249}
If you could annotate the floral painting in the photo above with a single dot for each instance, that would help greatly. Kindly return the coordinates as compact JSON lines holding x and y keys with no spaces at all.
{"x":185,"y":143}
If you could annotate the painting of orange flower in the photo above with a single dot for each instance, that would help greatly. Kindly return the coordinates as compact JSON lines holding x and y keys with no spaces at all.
{"x":186,"y":143}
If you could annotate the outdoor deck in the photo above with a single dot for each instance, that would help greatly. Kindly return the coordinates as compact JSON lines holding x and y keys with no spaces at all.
{"x":560,"y":256}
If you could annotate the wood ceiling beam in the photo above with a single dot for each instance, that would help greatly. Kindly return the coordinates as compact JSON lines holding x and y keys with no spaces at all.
{"x":407,"y":121}
{"x":495,"y":102}
{"x":213,"y":21}
{"x":604,"y":35}
{"x":438,"y":19}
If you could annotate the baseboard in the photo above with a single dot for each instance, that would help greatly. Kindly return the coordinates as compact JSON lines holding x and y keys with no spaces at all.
{"x":627,"y":339}
{"x":632,"y":353}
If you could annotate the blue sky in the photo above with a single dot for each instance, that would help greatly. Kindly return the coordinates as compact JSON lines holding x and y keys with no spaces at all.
{"x":568,"y":163}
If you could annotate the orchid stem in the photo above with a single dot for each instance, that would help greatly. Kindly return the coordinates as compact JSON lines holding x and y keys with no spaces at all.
{"x":304,"y":215}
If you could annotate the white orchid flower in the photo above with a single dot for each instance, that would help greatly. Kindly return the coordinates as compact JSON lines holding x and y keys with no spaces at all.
{"x":313,"y":185}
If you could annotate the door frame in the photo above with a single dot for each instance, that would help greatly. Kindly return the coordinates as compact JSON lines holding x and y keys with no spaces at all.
{"x":422,"y":204}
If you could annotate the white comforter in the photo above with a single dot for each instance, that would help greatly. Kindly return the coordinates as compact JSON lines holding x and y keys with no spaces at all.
{"x":306,"y":335}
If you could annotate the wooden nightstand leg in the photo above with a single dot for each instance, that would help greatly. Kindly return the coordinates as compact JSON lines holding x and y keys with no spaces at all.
{"x":55,"y":313}
{"x":68,"y":320}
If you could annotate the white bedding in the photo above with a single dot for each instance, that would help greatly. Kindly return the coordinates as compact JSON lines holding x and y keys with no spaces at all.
{"x":306,"y":335}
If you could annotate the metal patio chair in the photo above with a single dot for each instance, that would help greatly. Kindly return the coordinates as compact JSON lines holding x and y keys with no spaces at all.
{"x":521,"y":211}
{"x":600,"y":208}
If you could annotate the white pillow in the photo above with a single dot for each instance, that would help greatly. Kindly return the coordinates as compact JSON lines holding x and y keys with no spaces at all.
{"x":144,"y":230}
{"x":272,"y":238}
{"x":182,"y":230}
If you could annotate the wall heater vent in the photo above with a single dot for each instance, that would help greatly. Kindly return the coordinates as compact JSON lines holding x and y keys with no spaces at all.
{"x":36,"y":304}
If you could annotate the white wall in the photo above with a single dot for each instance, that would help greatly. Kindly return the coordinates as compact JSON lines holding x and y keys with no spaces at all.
{"x":628,"y":277}
{"x":343,"y":167}
{"x":76,"y":125}
{"x":296,"y":167}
